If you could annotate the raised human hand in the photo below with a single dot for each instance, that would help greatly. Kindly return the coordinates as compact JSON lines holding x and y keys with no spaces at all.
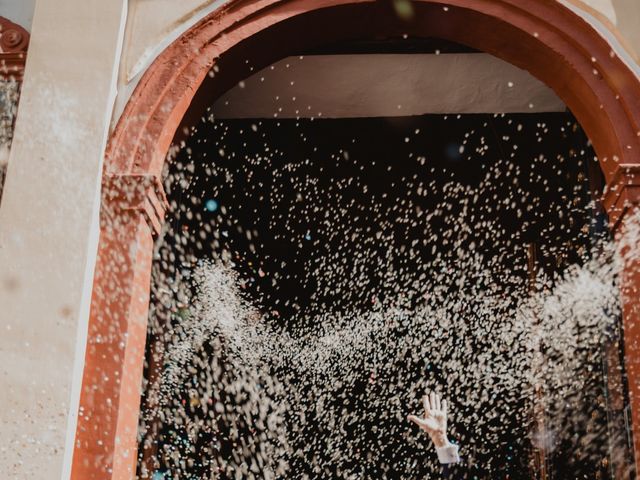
{"x":434,"y":421}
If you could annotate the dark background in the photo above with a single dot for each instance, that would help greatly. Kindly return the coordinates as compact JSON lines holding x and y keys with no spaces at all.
{"x":276,"y":184}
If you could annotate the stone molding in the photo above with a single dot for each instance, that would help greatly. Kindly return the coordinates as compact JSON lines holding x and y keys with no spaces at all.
{"x":541,"y":36}
{"x":133,"y":193}
{"x":622,"y":193}
{"x":14,"y":42}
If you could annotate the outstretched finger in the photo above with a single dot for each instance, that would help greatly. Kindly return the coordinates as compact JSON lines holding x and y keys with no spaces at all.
{"x":444,"y":407}
{"x":426,"y":404}
{"x":434,"y":401}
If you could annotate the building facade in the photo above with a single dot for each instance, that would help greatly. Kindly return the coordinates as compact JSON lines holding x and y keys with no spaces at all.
{"x":104,"y":89}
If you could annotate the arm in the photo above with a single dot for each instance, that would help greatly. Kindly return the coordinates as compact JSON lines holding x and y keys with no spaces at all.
{"x":434,"y":423}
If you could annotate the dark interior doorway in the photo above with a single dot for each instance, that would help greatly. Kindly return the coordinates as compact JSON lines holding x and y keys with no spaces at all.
{"x":329,"y":216}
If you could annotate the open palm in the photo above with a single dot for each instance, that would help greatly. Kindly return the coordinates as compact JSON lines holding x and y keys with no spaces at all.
{"x":434,"y":421}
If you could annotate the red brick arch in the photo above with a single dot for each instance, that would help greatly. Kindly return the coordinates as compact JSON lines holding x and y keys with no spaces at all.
{"x":542,"y":36}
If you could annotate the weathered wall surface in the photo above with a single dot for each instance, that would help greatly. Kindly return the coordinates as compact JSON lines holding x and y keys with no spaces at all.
{"x":49,"y":230}
{"x":628,"y":23}
{"x":386,"y":85}
{"x":151,"y":27}
{"x":621,"y":17}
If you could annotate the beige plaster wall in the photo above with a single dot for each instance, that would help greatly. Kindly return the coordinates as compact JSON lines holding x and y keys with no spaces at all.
{"x":49,"y":230}
{"x":628,"y":23}
{"x":151,"y":27}
{"x":625,"y":17}
{"x":386,"y":85}
{"x":605,"y":7}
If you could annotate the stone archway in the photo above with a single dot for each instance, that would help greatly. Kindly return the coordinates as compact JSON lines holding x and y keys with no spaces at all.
{"x":544,"y":37}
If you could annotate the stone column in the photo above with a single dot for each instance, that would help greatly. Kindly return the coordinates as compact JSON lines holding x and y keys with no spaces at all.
{"x":106,"y":439}
{"x":622,"y":201}
{"x":14,"y":41}
{"x":49,"y":228}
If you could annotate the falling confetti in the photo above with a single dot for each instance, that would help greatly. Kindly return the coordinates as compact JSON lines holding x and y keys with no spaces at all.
{"x":296,"y":326}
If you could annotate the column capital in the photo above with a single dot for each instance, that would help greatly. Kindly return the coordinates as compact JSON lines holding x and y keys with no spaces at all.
{"x":131,"y":193}
{"x":622,"y":193}
{"x":14,"y":41}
